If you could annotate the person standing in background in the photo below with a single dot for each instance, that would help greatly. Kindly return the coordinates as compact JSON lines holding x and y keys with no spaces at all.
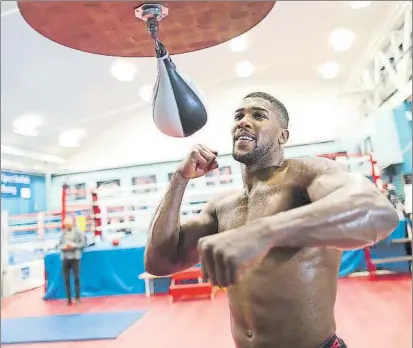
{"x":71,"y":245}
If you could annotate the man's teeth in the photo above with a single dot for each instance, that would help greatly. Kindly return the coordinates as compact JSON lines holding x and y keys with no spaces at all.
{"x":245,"y":137}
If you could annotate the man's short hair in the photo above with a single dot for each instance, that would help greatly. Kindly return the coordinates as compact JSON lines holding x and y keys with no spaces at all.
{"x":278,"y":106}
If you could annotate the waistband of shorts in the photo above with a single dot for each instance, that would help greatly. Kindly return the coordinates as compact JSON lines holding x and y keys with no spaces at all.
{"x":333,"y":342}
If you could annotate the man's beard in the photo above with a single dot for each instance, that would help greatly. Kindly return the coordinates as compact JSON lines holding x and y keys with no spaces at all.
{"x":257,"y":154}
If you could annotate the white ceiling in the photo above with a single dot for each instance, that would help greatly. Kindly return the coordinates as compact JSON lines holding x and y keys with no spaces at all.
{"x":72,"y":89}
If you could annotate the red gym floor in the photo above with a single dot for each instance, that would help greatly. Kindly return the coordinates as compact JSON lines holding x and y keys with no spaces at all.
{"x":369,"y":314}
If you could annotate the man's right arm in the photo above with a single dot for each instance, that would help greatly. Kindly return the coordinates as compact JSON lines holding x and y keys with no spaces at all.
{"x":172,"y":246}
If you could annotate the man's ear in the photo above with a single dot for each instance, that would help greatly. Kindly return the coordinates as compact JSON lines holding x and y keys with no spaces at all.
{"x":285,"y":134}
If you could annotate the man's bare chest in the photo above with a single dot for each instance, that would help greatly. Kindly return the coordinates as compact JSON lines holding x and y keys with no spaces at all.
{"x":240,"y":209}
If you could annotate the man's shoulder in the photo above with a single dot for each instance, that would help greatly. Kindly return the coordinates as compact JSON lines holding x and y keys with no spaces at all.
{"x":305,"y":170}
{"x":317,"y":165}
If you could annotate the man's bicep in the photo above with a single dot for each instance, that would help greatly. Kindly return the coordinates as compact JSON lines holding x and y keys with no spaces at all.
{"x":201,"y":225}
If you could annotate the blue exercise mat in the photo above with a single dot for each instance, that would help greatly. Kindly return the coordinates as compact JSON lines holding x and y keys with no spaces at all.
{"x":74,"y":327}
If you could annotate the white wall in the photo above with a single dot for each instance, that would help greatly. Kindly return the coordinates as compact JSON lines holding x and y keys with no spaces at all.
{"x":316,"y":115}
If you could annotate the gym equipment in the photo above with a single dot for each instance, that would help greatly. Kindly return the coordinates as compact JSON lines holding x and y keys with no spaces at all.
{"x":178,"y":110}
{"x":110,"y":28}
{"x":177,"y":107}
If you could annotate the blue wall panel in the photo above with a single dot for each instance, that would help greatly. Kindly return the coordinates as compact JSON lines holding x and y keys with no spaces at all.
{"x":13,"y":202}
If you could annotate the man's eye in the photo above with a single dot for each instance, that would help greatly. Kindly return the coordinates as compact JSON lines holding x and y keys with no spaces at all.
{"x":259,"y":115}
{"x":239,"y":116}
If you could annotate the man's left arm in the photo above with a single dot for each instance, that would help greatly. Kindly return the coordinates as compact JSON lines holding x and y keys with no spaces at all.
{"x":79,"y":240}
{"x":347,"y":212}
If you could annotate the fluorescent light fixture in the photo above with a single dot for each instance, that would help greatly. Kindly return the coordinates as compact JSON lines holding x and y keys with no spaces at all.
{"x":71,"y":138}
{"x":329,"y":70}
{"x":146,"y":93}
{"x":341,"y":39}
{"x":355,"y":5}
{"x":244,"y":69}
{"x":239,"y":43}
{"x":28,"y":125}
{"x":123,"y":70}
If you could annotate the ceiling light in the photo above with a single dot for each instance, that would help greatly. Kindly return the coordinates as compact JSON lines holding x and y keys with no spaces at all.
{"x":359,"y":4}
{"x":329,"y":70}
{"x":123,"y":70}
{"x":71,"y":138}
{"x":27,"y":125}
{"x":146,"y":93}
{"x":239,"y":44}
{"x":244,"y":69}
{"x":341,"y":39}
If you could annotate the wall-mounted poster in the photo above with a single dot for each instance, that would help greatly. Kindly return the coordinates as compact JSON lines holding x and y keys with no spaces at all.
{"x":77,"y":192}
{"x":107,"y":186}
{"x":224,"y":172}
{"x":212,"y":177}
{"x":144,"y":180}
{"x":220,"y":175}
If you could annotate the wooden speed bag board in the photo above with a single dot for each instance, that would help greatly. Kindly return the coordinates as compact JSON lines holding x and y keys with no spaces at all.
{"x":111,"y":28}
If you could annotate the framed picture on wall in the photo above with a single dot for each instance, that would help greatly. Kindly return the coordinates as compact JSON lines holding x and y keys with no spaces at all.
{"x":107,"y":186}
{"x":77,"y":191}
{"x":224,"y":172}
{"x":144,"y":180}
{"x":212,"y":177}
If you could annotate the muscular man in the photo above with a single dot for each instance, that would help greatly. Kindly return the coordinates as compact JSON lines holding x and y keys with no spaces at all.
{"x":276,"y":243}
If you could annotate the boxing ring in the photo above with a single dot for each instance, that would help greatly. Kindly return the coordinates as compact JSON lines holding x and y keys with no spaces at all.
{"x":116,"y":222}
{"x":25,"y":241}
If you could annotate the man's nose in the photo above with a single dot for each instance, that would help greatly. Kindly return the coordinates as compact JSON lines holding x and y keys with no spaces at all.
{"x":244,"y":124}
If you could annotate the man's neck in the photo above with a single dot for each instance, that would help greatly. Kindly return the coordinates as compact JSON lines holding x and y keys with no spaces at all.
{"x":263,"y":171}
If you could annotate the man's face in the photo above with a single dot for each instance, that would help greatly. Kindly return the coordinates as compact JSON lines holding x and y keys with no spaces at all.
{"x":68,"y":223}
{"x":256,"y":131}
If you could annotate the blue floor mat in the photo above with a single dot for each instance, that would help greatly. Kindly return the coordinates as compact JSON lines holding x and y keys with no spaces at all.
{"x":74,"y":327}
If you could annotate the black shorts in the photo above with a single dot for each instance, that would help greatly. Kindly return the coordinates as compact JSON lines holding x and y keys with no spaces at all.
{"x":334,"y":342}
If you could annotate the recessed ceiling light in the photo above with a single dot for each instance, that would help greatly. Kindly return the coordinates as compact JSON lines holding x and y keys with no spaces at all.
{"x":244,"y":69}
{"x":341,"y":39}
{"x":359,"y":4}
{"x":71,"y":138}
{"x":239,"y":43}
{"x":329,"y":70}
{"x":146,"y":93}
{"x":28,"y":125}
{"x":123,"y":70}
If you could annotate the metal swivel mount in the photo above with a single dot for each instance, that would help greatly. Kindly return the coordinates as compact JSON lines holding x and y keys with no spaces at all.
{"x":152,"y":13}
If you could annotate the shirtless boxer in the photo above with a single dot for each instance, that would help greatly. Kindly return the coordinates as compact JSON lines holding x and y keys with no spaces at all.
{"x":276,"y":244}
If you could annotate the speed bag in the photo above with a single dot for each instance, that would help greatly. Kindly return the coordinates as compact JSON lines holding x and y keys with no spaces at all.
{"x":178,"y":110}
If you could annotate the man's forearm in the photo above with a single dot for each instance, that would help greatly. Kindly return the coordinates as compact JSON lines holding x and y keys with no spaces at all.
{"x":342,"y":220}
{"x":163,"y":236}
